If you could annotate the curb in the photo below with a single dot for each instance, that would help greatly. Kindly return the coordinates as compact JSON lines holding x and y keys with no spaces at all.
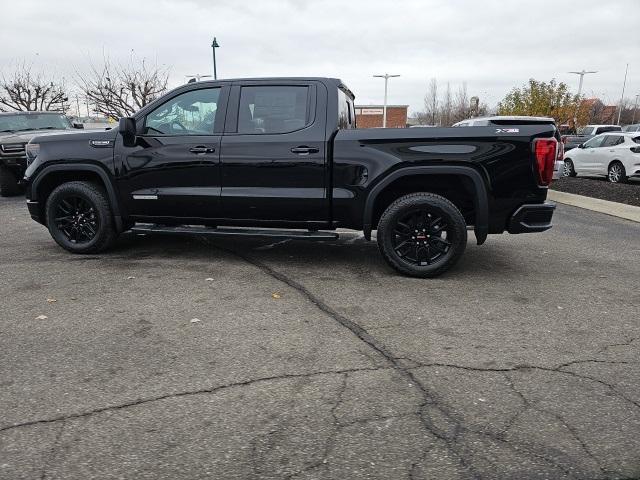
{"x":615,"y":209}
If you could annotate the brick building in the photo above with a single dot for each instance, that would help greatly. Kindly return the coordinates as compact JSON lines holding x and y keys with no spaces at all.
{"x":370,"y":116}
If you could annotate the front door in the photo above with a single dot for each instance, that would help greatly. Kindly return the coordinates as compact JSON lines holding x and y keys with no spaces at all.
{"x":273,"y":154}
{"x":174,"y":169}
{"x":588,"y":158}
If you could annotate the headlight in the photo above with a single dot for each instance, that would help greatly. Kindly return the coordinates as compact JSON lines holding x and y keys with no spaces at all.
{"x":32,"y":152}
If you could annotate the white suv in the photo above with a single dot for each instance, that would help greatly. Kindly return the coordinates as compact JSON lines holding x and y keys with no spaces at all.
{"x":615,"y":155}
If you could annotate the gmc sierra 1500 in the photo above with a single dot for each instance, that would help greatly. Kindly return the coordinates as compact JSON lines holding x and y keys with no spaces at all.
{"x":281,"y":157}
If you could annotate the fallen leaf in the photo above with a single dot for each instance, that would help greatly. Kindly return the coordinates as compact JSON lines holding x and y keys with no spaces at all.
{"x":275,"y":295}
{"x":130,"y":278}
{"x":51,"y":300}
{"x":208,"y":279}
{"x":195,"y":320}
{"x":560,"y":308}
{"x":41,"y":317}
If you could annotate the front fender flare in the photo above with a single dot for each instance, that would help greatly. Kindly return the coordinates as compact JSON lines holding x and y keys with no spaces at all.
{"x":83,"y":167}
{"x":481,"y":198}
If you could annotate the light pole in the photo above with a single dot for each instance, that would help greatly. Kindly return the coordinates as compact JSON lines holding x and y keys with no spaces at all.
{"x":196,"y":77}
{"x":624,"y":85}
{"x":214,"y":45}
{"x":386,"y":77}
{"x":582,"y":74}
{"x":635,"y":107}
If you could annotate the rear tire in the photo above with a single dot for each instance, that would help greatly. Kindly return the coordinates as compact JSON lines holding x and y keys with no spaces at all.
{"x":79,"y":217}
{"x":569,"y":170}
{"x":422,"y":235}
{"x":8,"y":183}
{"x":616,"y":172}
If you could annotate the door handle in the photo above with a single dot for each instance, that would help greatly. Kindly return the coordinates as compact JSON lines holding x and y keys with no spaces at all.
{"x":304,"y":150}
{"x":202,"y":149}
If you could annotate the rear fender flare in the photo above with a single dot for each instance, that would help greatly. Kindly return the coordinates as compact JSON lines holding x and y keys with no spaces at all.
{"x":481,"y":198}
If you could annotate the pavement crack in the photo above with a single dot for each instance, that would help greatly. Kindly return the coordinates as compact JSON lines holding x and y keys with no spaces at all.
{"x":429,"y":399}
{"x":626,"y":343}
{"x":52,"y":452}
{"x":203,"y":391}
{"x":558,"y":369}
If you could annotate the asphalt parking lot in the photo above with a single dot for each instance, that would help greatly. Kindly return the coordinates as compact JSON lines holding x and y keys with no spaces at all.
{"x":183,"y":358}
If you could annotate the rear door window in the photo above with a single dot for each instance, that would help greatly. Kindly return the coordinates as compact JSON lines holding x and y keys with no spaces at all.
{"x":612,"y":140}
{"x":273,"y":109}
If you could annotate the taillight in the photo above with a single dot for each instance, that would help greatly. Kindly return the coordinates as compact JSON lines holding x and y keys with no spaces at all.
{"x":546,"y":150}
{"x":560,"y":151}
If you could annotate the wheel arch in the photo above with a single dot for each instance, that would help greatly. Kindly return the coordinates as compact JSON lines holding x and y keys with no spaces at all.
{"x":480,"y":197}
{"x":53,"y":175}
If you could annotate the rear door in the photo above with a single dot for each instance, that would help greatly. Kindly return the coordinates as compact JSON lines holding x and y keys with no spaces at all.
{"x":611,"y":149}
{"x":174,"y":169}
{"x":273,"y":153}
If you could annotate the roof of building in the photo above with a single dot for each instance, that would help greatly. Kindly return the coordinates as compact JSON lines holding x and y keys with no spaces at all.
{"x":382,"y":106}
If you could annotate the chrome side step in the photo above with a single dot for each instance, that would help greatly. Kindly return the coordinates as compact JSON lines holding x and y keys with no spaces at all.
{"x":233,"y":231}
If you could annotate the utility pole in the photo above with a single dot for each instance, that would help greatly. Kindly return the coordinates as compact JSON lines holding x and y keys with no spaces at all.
{"x":386,"y":77}
{"x":582,"y":74}
{"x":624,"y":85}
{"x":214,"y":45}
{"x":635,"y":107}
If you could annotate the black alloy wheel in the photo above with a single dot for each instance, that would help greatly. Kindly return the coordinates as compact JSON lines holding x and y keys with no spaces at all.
{"x":79,"y":217}
{"x":422,"y":234}
{"x":420,"y":237}
{"x":76,"y":218}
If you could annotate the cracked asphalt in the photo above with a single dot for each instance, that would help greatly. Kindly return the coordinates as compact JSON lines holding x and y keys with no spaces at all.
{"x":315,"y":360}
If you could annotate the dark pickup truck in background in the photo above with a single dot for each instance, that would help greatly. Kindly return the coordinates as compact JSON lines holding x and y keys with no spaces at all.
{"x":280,"y":157}
{"x":16,"y":129}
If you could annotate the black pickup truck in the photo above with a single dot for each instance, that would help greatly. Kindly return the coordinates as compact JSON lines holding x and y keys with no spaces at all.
{"x":281,"y":157}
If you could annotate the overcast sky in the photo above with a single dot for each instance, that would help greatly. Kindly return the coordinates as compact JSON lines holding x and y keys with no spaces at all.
{"x":492,"y":45}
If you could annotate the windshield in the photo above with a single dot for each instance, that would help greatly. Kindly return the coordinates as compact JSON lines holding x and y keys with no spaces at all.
{"x":21,"y":122}
{"x":586,"y":131}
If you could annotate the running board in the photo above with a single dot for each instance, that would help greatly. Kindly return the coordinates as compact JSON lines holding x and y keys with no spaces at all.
{"x":230,"y":232}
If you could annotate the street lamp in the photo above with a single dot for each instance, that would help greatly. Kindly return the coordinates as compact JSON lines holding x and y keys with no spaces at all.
{"x":582,"y":74}
{"x":214,"y":45}
{"x":635,"y":107}
{"x":196,"y":77}
{"x":386,"y":77}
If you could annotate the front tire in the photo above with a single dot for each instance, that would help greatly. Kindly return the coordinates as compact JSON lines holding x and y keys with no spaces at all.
{"x":569,"y":169}
{"x":79,"y":217}
{"x":422,"y":235}
{"x":8,"y":183}
{"x":616,"y":173}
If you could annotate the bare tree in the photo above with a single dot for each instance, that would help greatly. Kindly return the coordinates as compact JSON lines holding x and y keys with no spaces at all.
{"x":431,"y":102}
{"x":446,"y":114}
{"x":461,"y":106}
{"x":120,"y":90}
{"x":26,"y":90}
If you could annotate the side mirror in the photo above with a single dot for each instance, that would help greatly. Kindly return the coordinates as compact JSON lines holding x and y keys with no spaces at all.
{"x":78,"y":125}
{"x":581,"y":145}
{"x":127,"y":128}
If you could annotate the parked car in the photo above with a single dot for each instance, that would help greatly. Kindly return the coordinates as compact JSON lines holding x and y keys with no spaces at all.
{"x":585,"y":133}
{"x":281,"y":158}
{"x":16,"y":129}
{"x":632,"y":128}
{"x":499,"y":120}
{"x":615,"y":155}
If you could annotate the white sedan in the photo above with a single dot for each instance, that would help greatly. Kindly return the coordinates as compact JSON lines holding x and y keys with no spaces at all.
{"x":615,"y":155}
